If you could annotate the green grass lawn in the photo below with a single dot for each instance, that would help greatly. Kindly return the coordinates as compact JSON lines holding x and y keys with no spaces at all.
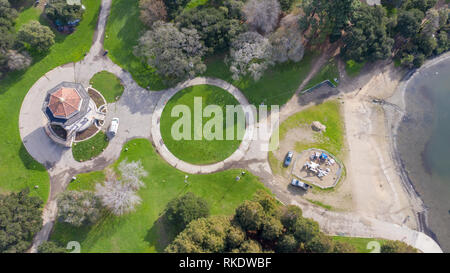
{"x":327,"y":113}
{"x":353,"y":68}
{"x":199,"y":151}
{"x":329,"y":72}
{"x":140,"y":231}
{"x":26,"y":15}
{"x":359,"y":243}
{"x":17,"y":168}
{"x":108,"y":84}
{"x":275,"y":87}
{"x":122,"y":33}
{"x":91,"y":148}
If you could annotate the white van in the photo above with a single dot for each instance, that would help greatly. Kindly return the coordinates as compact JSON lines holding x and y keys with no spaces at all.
{"x":114,"y":126}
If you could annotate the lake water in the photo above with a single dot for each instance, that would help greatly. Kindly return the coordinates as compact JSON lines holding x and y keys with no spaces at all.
{"x":424,"y":144}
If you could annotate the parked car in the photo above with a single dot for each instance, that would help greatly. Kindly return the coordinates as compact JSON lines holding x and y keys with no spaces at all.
{"x":288,"y":159}
{"x":300,"y":184}
{"x":114,"y":126}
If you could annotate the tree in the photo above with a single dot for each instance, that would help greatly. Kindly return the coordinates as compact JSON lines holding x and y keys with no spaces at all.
{"x":174,"y":6}
{"x":176,"y":54}
{"x":250,"y":53}
{"x":213,"y":25}
{"x":36,"y":36}
{"x":250,"y":216}
{"x":117,"y":196}
{"x":422,"y":5}
{"x":132,"y":174}
{"x":20,"y":219}
{"x":202,"y":235}
{"x":343,"y":247}
{"x":78,"y":208}
{"x":305,"y":230}
{"x":367,"y":39}
{"x":397,"y":247}
{"x":262,"y":15}
{"x":287,"y":244}
{"x":7,"y":17}
{"x":18,"y":61}
{"x":271,"y":229}
{"x":287,"y":42}
{"x":320,"y":244}
{"x":61,"y":11}
{"x":186,"y":208}
{"x":235,"y":237}
{"x":152,"y":11}
{"x":327,"y":17}
{"x":51,"y":247}
{"x":286,"y":4}
{"x":290,"y":217}
{"x":409,"y":21}
{"x":250,"y":246}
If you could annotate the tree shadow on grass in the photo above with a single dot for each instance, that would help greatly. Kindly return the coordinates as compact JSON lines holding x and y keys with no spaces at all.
{"x":161,"y":234}
{"x":28,"y":161}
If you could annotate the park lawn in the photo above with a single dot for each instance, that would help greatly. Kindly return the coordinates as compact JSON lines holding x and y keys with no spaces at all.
{"x":140,"y":231}
{"x":327,"y":113}
{"x":353,"y":68}
{"x":108,"y":84}
{"x":329,"y":72}
{"x":359,"y":243}
{"x":275,"y":87}
{"x":202,"y":151}
{"x":123,"y":30}
{"x":26,"y":15}
{"x":91,"y":148}
{"x":17,"y":168}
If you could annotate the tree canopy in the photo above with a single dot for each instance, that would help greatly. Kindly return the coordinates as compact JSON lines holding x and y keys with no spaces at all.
{"x":20,"y":220}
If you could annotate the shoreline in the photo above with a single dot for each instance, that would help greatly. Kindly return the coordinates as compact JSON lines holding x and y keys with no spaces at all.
{"x":393,"y":121}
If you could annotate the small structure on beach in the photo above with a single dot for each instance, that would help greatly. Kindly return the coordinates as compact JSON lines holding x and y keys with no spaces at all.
{"x":70,"y":112}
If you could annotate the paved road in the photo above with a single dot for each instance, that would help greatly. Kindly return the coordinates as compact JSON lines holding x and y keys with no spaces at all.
{"x":135,"y":109}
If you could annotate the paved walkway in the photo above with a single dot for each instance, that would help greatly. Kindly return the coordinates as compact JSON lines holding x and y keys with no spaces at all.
{"x":199,"y":169}
{"x":135,"y":109}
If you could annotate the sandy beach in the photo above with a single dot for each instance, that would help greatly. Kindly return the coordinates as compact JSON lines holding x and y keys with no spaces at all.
{"x":377,"y":187}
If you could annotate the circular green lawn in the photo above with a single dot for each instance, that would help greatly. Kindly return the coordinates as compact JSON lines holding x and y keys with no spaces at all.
{"x":108,"y":84}
{"x":203,"y":151}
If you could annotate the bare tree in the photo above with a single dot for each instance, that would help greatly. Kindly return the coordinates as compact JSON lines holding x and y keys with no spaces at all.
{"x":152,"y":11}
{"x":18,"y":61}
{"x":287,"y":41}
{"x":78,"y":208}
{"x":250,"y":53}
{"x":132,"y":173}
{"x":262,"y":15}
{"x":117,"y":196}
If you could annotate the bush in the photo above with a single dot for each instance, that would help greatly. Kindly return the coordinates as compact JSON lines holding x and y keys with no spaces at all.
{"x":152,"y":11}
{"x":397,"y":247}
{"x":262,"y":15}
{"x":60,"y":10}
{"x":51,"y":247}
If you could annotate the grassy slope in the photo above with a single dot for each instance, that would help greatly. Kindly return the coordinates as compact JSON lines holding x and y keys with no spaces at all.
{"x":328,"y":114}
{"x":108,"y":84}
{"x":17,"y":168}
{"x":198,"y":151}
{"x":329,"y":72}
{"x":26,"y":15}
{"x":275,"y":87}
{"x":359,"y":243}
{"x":122,"y":32}
{"x":88,"y":149}
{"x":139,"y":231}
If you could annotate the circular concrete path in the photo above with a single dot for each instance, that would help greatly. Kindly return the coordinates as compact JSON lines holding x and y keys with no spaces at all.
{"x":198,"y":169}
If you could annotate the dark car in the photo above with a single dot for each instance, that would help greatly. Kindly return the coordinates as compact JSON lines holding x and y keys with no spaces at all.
{"x":288,"y":159}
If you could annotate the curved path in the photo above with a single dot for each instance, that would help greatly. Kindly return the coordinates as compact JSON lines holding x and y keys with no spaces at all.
{"x":198,"y":169}
{"x":135,"y":108}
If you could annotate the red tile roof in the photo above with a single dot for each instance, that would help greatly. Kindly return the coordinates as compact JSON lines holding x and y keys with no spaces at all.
{"x":64,"y":102}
